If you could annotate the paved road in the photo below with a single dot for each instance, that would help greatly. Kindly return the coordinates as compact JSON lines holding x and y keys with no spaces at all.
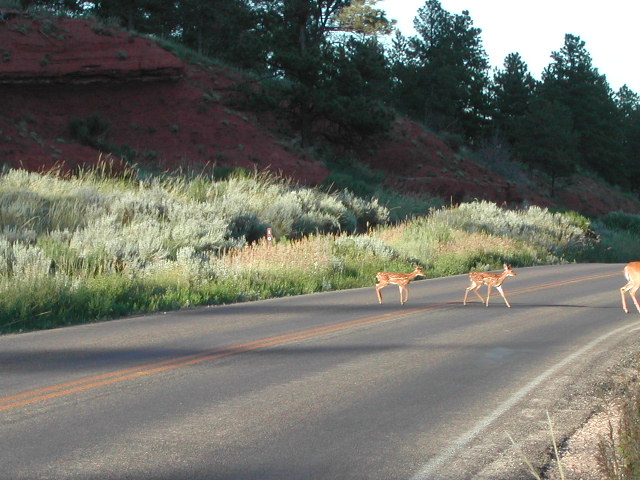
{"x":327,"y":386}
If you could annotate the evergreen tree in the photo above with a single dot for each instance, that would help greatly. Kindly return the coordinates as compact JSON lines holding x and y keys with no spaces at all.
{"x":446,"y":76}
{"x":512,"y":91}
{"x":628,"y":103}
{"x":145,"y":16}
{"x":408,"y":92}
{"x":546,"y":138}
{"x":355,"y":87}
{"x":298,"y":33}
{"x":58,"y":6}
{"x":573,"y":81}
{"x":225,"y":29}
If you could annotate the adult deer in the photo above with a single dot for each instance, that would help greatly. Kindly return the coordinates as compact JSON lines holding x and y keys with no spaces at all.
{"x":400,"y":279}
{"x":632,"y":274}
{"x":490,"y":280}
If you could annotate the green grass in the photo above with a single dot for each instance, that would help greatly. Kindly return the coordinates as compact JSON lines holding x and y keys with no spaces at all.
{"x":105,"y":243}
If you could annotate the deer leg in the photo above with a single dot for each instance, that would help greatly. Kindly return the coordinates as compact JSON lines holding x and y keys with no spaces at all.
{"x":632,"y":292}
{"x":400,"y":289}
{"x":475,"y":290}
{"x":406,"y":294}
{"x":466,"y":292}
{"x":474,"y":286}
{"x":628,"y":288}
{"x":507,"y":302}
{"x":488,"y":294}
{"x":624,"y":300}
{"x":380,"y":286}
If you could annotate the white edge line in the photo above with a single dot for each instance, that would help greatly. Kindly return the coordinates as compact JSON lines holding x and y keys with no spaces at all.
{"x":428,"y":470}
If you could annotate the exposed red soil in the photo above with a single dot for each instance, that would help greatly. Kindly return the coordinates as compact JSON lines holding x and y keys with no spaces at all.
{"x":63,"y":50}
{"x":421,"y":162}
{"x":172,"y":115}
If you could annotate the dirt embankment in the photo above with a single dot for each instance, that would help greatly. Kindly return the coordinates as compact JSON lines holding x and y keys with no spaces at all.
{"x":131,"y":95}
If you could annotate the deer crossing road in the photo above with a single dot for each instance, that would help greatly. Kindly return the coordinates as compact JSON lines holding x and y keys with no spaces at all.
{"x":327,"y":386}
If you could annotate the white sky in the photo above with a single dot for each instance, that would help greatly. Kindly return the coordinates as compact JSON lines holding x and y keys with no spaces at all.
{"x":610,"y":30}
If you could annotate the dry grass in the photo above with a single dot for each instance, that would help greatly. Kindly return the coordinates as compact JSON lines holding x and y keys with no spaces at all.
{"x":619,"y":450}
{"x":312,"y":252}
{"x":464,"y":242}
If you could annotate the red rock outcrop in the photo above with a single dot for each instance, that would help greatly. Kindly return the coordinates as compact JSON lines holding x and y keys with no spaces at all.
{"x":63,"y":50}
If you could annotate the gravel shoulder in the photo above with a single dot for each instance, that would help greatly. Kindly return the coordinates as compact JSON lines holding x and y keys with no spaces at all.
{"x":579,"y":453}
{"x":582,"y":402}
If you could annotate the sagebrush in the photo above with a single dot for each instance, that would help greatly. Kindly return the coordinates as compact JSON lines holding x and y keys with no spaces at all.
{"x":101,"y":244}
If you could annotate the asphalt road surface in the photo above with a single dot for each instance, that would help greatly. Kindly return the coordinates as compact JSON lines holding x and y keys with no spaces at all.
{"x":326,"y":386}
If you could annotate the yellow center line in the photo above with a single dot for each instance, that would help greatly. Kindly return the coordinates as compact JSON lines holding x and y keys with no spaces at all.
{"x":545,"y":286}
{"x":88,"y":383}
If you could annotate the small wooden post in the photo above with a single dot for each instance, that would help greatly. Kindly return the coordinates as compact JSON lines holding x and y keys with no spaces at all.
{"x":269,"y":236}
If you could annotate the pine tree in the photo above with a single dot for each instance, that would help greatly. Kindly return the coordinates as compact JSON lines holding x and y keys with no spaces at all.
{"x":546,"y":140}
{"x":628,"y":103}
{"x":573,"y":81}
{"x":355,"y":89}
{"x":445,"y":74}
{"x":512,"y":92}
{"x":224,"y":29}
{"x":298,"y":32}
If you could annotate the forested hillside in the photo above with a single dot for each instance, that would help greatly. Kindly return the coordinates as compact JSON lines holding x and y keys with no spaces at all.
{"x":337,"y":80}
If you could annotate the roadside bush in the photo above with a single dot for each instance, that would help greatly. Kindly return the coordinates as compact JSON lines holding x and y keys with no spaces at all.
{"x":564,"y":236}
{"x":90,"y":131}
{"x":621,"y":221}
{"x":368,"y":213}
{"x":614,"y":246}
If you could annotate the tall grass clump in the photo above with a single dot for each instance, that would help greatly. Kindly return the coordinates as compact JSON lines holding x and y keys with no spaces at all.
{"x":556,"y":237}
{"x":483,"y":236}
{"x":284,"y":268}
{"x":618,"y":454}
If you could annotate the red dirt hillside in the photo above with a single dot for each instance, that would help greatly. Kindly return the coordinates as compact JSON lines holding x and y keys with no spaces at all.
{"x":56,"y":72}
{"x":420,"y":162}
{"x":53,"y":71}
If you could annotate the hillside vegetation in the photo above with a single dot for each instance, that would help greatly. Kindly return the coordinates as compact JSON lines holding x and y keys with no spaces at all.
{"x":310,"y":89}
{"x":93,"y":246}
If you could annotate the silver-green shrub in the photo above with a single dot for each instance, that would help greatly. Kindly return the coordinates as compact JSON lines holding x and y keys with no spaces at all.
{"x":22,"y":262}
{"x":96,"y":224}
{"x":29,"y":262}
{"x":557,"y":233}
{"x":365,"y":244}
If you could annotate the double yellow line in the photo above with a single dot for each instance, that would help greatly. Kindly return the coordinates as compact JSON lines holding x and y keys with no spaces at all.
{"x":88,"y":383}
